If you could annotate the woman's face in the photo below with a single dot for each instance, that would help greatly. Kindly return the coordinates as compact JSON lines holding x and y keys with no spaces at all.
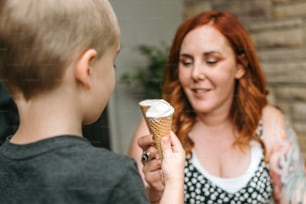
{"x":208,"y":70}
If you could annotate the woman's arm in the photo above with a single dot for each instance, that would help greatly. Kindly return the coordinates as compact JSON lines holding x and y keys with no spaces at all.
{"x":286,"y":162}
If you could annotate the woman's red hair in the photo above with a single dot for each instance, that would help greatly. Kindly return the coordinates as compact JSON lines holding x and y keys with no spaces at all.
{"x":250,"y":91}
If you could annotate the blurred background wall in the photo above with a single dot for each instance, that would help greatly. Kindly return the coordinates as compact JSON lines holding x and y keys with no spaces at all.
{"x":277,"y":27}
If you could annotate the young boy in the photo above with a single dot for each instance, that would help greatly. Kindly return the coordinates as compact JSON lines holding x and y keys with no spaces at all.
{"x":57,"y":61}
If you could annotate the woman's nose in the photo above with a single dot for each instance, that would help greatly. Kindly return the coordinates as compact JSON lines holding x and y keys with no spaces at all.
{"x":198,"y":72}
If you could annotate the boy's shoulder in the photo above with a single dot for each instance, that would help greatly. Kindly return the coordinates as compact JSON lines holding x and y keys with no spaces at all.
{"x":96,"y":158}
{"x":72,"y":154}
{"x":79,"y":153}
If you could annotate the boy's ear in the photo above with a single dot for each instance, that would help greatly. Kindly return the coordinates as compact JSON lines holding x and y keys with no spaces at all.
{"x":82,"y":69}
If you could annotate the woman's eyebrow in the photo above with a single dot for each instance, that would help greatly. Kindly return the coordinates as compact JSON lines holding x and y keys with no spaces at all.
{"x":186,"y":55}
{"x":208,"y":53}
{"x":211,"y":52}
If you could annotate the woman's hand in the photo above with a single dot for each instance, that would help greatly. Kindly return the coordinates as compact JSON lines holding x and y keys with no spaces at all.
{"x":152,"y":168}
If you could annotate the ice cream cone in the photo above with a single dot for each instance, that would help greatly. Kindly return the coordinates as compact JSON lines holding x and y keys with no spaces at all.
{"x":159,"y":120}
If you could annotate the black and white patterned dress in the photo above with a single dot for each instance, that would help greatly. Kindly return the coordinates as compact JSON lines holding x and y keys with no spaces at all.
{"x":254,"y":187}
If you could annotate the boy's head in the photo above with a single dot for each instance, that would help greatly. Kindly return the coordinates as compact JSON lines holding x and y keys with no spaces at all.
{"x":40,"y":39}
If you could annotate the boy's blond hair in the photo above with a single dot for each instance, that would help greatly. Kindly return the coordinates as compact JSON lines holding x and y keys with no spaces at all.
{"x":40,"y":38}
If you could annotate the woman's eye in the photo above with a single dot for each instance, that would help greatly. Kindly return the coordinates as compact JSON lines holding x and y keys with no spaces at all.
{"x":211,"y":61}
{"x":186,"y":62}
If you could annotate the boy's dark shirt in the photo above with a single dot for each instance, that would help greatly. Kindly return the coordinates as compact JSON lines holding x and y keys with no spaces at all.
{"x":67,"y":169}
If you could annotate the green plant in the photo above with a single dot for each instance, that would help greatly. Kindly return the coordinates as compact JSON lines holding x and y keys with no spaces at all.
{"x":149,"y":77}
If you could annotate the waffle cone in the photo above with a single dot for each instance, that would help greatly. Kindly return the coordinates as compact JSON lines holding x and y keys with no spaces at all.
{"x":144,"y":109}
{"x":144,"y":106}
{"x":160,"y":127}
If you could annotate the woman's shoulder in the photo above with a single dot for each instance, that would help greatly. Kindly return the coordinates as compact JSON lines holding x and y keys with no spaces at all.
{"x":271,"y":110}
{"x":273,"y":122}
{"x":272,"y":117}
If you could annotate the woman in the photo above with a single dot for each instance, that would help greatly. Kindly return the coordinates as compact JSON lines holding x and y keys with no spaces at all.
{"x":239,"y":148}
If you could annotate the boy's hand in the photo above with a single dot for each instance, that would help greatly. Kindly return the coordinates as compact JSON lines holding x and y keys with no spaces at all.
{"x":174,"y":159}
{"x":169,"y":171}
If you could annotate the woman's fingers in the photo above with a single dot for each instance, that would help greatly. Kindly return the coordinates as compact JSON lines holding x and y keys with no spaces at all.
{"x":150,"y":152}
{"x":152,"y":165}
{"x":145,"y":142}
{"x":152,"y":172}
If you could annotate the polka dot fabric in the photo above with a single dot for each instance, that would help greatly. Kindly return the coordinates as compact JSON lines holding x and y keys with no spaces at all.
{"x":198,"y":189}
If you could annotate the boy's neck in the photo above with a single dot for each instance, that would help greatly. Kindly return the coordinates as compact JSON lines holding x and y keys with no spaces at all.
{"x":47,"y":116}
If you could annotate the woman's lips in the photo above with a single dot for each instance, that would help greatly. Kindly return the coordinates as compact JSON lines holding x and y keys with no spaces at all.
{"x":200,"y":92}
